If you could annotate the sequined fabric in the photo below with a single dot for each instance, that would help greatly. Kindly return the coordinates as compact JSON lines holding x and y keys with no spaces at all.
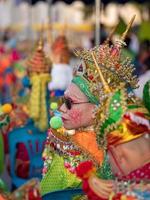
{"x":58,"y":177}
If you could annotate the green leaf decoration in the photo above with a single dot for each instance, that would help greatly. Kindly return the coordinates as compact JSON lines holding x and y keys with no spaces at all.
{"x":115,"y":111}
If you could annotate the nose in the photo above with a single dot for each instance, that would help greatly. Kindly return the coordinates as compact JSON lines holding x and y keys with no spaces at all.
{"x":63,"y":108}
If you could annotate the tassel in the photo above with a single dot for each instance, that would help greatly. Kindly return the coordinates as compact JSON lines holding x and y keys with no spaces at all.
{"x":34,"y":104}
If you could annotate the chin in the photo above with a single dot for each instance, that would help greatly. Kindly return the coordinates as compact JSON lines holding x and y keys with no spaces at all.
{"x":70,"y":126}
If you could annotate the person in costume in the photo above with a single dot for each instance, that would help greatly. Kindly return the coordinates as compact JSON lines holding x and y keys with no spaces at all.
{"x":97,"y":97}
{"x":37,"y":110}
{"x":59,"y":163}
{"x":60,"y":155}
{"x":39,"y":67}
{"x":61,"y":158}
{"x":62,"y":72}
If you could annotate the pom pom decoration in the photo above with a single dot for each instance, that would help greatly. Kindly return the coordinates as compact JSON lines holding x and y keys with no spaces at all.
{"x":6,"y":108}
{"x":56,"y":122}
{"x":53,"y":106}
{"x":85,"y":169}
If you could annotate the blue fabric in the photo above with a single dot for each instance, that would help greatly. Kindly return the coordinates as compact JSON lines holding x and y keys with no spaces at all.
{"x":59,"y":93}
{"x":62,"y":194}
{"x":26,"y":81}
{"x":29,"y":136}
{"x":9,"y":70}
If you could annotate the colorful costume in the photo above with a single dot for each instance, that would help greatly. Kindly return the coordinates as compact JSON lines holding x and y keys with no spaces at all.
{"x":60,"y":159}
{"x":39,"y":68}
{"x":120,"y":119}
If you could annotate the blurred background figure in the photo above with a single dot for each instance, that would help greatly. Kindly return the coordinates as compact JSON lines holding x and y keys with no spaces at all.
{"x":62,"y":72}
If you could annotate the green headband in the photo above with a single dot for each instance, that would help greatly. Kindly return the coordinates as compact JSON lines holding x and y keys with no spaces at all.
{"x":83,"y":84}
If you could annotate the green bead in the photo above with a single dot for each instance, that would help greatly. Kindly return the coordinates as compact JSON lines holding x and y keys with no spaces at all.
{"x":56,"y":122}
{"x":54,"y":106}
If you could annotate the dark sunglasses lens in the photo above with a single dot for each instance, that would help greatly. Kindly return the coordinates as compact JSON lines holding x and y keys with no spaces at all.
{"x":68,"y":103}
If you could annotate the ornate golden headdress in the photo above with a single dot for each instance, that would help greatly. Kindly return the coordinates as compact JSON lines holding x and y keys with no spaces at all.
{"x":107,"y":75}
{"x":110,"y":63}
{"x":104,"y":67}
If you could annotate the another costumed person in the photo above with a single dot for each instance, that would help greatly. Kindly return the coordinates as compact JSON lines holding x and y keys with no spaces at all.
{"x":39,"y":72}
{"x":38,"y":69}
{"x":97,"y":97}
{"x":62,"y":72}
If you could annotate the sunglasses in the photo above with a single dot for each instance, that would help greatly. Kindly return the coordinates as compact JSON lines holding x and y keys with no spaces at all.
{"x":68,"y":102}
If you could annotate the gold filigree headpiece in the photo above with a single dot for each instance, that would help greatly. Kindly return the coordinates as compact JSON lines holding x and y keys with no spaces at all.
{"x":107,"y":75}
{"x":104,"y":67}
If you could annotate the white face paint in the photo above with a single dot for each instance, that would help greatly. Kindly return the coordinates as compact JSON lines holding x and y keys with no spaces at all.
{"x":81,"y":112}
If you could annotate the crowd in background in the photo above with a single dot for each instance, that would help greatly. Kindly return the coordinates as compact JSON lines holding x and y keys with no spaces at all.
{"x":13,"y":54}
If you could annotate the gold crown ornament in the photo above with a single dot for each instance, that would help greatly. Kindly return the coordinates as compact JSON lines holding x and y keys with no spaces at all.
{"x":108,"y":75}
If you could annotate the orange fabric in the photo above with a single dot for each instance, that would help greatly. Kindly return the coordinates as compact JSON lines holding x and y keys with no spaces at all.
{"x":2,"y":198}
{"x":86,"y":141}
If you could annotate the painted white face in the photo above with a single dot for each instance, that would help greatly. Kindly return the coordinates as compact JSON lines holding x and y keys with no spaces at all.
{"x":77,"y":111}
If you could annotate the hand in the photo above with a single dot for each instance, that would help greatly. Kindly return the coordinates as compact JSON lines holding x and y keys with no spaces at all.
{"x":101,"y":188}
